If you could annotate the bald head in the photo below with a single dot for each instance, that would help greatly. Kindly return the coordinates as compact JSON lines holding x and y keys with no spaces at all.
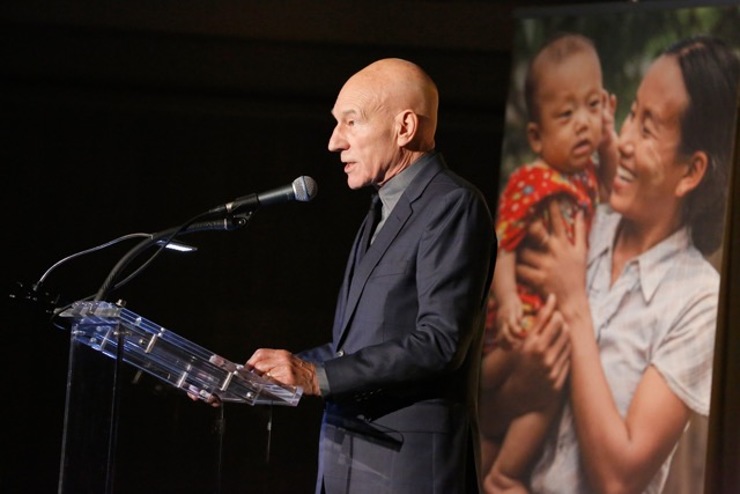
{"x":386,"y":119}
{"x":397,"y":85}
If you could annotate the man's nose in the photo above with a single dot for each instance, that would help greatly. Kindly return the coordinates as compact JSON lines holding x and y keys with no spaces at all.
{"x":336,"y":142}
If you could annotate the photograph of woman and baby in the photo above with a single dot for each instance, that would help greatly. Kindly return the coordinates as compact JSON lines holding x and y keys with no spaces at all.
{"x":610,"y":221}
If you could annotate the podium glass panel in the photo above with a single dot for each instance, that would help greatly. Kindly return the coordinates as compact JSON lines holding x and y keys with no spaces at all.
{"x":110,"y":329}
{"x":134,"y":343}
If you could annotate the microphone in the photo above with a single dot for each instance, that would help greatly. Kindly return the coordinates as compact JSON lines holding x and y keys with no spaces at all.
{"x":302,"y":189}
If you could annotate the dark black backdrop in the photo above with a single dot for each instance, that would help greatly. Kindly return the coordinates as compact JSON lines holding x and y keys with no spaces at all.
{"x":111,"y":128}
{"x":135,"y":116}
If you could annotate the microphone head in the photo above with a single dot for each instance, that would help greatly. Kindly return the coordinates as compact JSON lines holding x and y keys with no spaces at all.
{"x":305,"y":188}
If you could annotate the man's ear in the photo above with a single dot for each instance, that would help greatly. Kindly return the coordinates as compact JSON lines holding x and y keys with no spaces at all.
{"x":695,"y":170}
{"x":408,"y":125}
{"x":534,"y":137}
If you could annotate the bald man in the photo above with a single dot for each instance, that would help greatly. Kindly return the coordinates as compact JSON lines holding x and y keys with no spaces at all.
{"x":400,"y":375}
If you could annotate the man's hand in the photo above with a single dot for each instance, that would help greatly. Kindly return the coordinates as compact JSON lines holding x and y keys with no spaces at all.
{"x":286,"y":368}
{"x":195,"y":395}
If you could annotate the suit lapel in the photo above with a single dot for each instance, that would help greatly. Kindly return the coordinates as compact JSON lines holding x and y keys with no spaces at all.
{"x":341,"y":311}
{"x":354,"y":282}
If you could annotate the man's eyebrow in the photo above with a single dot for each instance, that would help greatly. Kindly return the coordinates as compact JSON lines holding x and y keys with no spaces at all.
{"x":346,"y":115}
{"x":350,"y":112}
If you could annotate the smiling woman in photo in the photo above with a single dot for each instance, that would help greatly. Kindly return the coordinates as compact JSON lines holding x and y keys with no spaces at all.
{"x":640,"y":298}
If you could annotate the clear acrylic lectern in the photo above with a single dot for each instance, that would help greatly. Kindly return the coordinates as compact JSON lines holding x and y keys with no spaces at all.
{"x":93,"y":391}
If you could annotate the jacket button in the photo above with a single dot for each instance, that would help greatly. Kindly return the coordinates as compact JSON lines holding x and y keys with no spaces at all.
{"x":340,"y":353}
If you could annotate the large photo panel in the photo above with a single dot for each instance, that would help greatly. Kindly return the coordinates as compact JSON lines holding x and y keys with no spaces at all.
{"x":613,"y":191}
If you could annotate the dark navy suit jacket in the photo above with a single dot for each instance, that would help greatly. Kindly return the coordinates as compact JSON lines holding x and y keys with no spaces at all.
{"x":405,"y":355}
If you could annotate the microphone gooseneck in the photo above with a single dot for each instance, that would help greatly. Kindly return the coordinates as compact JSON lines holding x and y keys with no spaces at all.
{"x":236,"y":215}
{"x":302,"y":189}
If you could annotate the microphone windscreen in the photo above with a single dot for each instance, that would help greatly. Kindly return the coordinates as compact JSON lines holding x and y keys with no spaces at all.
{"x":305,"y":188}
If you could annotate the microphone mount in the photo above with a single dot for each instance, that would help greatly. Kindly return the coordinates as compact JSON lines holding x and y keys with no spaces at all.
{"x":231,"y":222}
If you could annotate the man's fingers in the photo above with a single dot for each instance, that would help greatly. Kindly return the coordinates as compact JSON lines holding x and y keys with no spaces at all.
{"x":265,"y":360}
{"x":196,"y":395}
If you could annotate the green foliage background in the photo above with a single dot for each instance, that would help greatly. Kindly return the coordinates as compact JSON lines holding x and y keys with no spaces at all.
{"x":627,"y":36}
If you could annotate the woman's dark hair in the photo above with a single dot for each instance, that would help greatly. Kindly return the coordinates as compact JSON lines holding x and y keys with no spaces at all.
{"x":711,"y":72}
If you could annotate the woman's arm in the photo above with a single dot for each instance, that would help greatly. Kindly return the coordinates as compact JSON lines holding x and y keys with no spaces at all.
{"x":619,"y":454}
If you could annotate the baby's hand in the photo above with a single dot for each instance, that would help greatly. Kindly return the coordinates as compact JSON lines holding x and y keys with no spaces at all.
{"x":609,"y":132}
{"x":508,"y":321}
{"x":608,"y":151}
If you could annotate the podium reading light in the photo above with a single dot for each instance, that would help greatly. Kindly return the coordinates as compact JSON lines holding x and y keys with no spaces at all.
{"x":177,"y":246}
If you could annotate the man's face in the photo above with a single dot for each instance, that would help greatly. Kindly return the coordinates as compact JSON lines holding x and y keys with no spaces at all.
{"x":365,"y":133}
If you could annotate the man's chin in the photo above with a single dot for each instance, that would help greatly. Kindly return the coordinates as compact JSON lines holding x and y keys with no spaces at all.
{"x":355,"y":182}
